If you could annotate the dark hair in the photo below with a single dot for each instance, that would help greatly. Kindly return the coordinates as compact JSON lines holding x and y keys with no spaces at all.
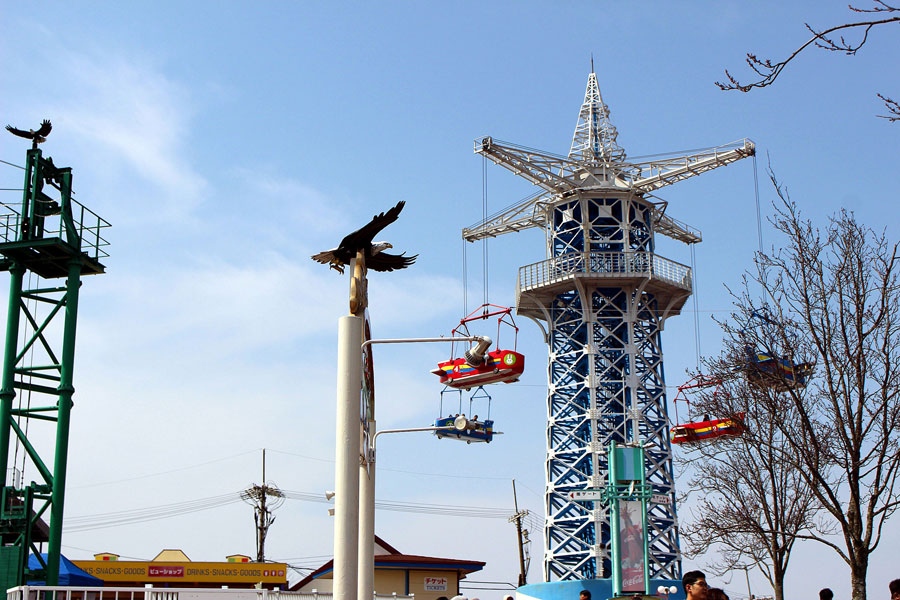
{"x":690,"y":578}
{"x":585,"y":593}
{"x":894,"y":586}
{"x":826,"y":594}
{"x":716,"y":594}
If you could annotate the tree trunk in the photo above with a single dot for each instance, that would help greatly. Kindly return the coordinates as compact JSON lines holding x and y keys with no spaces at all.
{"x":858,"y":569}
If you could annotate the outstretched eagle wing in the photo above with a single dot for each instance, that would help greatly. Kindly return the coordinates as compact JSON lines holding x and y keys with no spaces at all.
{"x":25,"y":134}
{"x":44,"y":129}
{"x":362,"y":237}
{"x":389,"y":262}
{"x":328,"y":258}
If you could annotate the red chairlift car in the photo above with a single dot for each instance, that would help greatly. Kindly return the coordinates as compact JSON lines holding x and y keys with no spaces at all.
{"x":708,"y":429}
{"x":479,"y":366}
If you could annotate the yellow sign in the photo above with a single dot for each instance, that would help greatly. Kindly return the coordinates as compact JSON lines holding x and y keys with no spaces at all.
{"x":185,"y":572}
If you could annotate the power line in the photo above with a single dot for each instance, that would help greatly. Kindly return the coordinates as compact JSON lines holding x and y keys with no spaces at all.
{"x":141,"y":515}
{"x":127,"y":517}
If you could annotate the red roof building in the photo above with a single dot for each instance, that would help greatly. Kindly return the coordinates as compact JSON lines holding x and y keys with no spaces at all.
{"x":427,"y":577}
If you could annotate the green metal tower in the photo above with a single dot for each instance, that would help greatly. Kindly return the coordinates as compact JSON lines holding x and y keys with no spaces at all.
{"x":53,"y":239}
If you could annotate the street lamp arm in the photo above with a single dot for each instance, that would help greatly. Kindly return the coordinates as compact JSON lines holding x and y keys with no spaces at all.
{"x":406,"y":430}
{"x":468,"y":338}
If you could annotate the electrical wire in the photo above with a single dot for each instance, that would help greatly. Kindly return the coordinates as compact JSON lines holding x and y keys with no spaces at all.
{"x":141,"y":515}
{"x":160,"y":473}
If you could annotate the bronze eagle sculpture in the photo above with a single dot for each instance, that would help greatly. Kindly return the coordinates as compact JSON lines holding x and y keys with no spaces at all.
{"x":38,"y":136}
{"x":361,"y":240}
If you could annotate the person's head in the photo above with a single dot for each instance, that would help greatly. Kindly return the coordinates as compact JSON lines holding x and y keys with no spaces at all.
{"x":694,"y":584}
{"x":584,"y":595}
{"x":894,"y":586}
{"x":716,"y":594}
{"x":826,"y":594}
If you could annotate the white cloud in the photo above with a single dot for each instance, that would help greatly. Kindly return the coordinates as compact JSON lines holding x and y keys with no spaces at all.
{"x":122,"y":123}
{"x":134,"y":114}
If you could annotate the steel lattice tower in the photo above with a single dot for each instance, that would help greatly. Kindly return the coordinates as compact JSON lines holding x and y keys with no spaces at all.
{"x":46,"y":247}
{"x":601,"y":298}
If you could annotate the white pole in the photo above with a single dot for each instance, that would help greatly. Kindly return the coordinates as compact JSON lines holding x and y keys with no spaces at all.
{"x":366,"y":565}
{"x":347,"y":448}
{"x":364,"y":584}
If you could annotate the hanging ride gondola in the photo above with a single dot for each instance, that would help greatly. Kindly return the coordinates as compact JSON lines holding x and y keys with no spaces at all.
{"x":463,"y":428}
{"x":708,"y":429}
{"x":478,"y":366}
{"x":769,"y":368}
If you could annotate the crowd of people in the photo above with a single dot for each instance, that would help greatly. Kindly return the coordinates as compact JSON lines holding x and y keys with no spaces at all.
{"x":696,"y":588}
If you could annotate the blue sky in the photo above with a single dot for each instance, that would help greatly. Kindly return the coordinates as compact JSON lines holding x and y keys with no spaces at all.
{"x":228,"y":141}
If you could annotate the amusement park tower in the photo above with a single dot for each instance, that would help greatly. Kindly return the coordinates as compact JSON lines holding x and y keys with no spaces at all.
{"x":601,"y":298}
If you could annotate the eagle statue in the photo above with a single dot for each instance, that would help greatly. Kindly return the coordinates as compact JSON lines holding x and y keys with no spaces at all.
{"x":38,"y":136}
{"x":361,"y":240}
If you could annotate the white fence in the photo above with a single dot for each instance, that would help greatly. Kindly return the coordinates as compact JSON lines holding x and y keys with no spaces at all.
{"x":27,"y":592}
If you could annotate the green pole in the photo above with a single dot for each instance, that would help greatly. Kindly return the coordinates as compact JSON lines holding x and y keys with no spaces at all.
{"x":615,"y":541}
{"x":64,"y":408}
{"x":17,"y":271}
{"x":66,"y":390}
{"x":7,"y":387}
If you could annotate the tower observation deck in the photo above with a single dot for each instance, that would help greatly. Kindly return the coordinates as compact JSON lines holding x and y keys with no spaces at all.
{"x":601,"y":297}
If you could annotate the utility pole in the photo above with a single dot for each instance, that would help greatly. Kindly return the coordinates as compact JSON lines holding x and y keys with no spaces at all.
{"x":747,"y":575}
{"x":257,"y":496}
{"x":521,"y":535}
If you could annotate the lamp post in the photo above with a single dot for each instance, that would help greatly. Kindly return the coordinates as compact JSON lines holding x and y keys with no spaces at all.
{"x":747,"y":575}
{"x":354,"y":527}
{"x":366,"y":562}
{"x":347,"y":446}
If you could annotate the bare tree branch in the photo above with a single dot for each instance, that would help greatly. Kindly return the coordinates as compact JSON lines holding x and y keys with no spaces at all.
{"x":893,"y":109}
{"x":768,"y":71}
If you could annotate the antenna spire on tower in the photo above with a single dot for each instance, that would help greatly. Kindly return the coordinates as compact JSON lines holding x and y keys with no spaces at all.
{"x":595,"y":135}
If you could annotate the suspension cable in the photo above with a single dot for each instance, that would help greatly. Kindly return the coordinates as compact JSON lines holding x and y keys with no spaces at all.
{"x":758,"y":210}
{"x":696,"y":301}
{"x":484,"y":238}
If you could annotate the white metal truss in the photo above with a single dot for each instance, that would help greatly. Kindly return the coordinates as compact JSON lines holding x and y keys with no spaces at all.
{"x":558,"y":176}
{"x":603,"y":293}
{"x":595,"y":136}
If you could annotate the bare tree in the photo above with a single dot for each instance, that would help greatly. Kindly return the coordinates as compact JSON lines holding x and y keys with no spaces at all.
{"x":768,"y":71}
{"x":832,"y":297}
{"x":754,"y":504}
